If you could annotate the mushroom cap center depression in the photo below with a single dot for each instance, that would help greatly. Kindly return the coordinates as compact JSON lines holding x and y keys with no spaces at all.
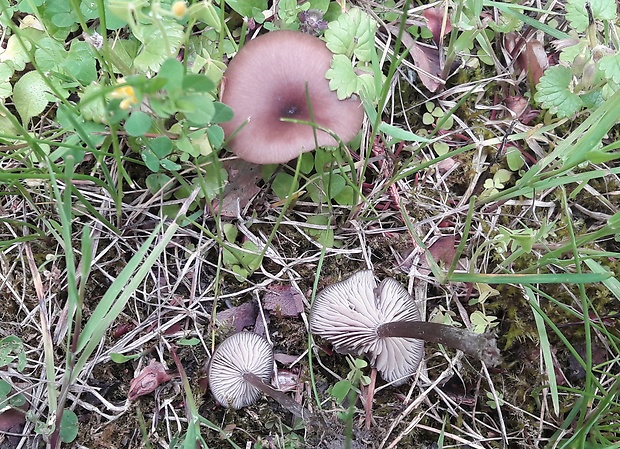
{"x":276,"y":76}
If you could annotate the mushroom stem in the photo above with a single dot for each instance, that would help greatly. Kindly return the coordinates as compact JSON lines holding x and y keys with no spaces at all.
{"x":481,"y":346}
{"x":282,"y":398}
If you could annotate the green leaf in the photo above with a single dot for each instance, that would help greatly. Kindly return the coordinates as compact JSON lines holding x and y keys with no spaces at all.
{"x":188,"y":341}
{"x":80,"y":62}
{"x":149,"y":158}
{"x":326,"y":188}
{"x":282,"y":185}
{"x":12,"y":348}
{"x":62,"y":14}
{"x":172,"y":72}
{"x":50,"y":55}
{"x":16,"y":55}
{"x":198,"y":83}
{"x":342,"y":77}
{"x":161,"y":146}
{"x":169,"y":165}
{"x":341,"y":389}
{"x":30,"y":95}
{"x":68,"y":426}
{"x":216,"y":136}
{"x":197,"y":108}
{"x":156,"y":181}
{"x":577,"y":14}
{"x":610,"y":65}
{"x":138,"y":123}
{"x":89,"y":9}
{"x":554,"y":94}
{"x":401,"y":134}
{"x":324,"y":237}
{"x":352,"y":34}
{"x":514,"y":159}
{"x":159,"y":43}
{"x":121,"y":358}
{"x":223,"y":113}
{"x":6,"y":72}
{"x":248,"y":8}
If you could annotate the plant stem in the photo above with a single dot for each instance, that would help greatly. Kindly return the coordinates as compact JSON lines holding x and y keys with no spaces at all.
{"x":282,"y":398}
{"x":481,"y":346}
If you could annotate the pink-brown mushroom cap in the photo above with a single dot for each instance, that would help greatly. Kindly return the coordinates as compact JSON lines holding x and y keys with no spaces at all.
{"x":266,"y":81}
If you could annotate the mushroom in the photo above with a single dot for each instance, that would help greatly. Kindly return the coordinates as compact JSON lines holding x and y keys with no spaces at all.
{"x":281,"y":75}
{"x":239,"y":369}
{"x":383,"y":321}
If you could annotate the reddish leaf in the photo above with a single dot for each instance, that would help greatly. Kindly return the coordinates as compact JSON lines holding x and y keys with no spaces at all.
{"x":444,"y":249}
{"x":148,"y":380}
{"x":12,"y":420}
{"x":284,"y":300}
{"x":241,"y":188}
{"x":239,"y":317}
{"x":434,"y":21}
{"x":425,"y":60}
{"x":536,"y":61}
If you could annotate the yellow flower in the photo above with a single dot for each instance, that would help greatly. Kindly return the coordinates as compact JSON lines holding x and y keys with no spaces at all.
{"x":128,"y":95}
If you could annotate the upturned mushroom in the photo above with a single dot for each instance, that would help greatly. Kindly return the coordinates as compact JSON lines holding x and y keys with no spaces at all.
{"x":239,"y":370}
{"x":281,"y":75}
{"x":360,"y":317}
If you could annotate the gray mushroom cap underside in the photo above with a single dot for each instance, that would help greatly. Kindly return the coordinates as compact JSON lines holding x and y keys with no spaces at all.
{"x":241,"y":353}
{"x":348,"y":313}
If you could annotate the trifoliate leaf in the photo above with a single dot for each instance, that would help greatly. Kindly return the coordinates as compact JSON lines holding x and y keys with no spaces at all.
{"x":610,"y":65}
{"x":161,"y":146}
{"x":138,"y":123}
{"x":352,"y":34}
{"x":89,"y":9}
{"x":197,"y":108}
{"x":514,"y":159}
{"x":249,"y":8}
{"x":341,"y":77}
{"x":80,"y":62}
{"x":30,"y":95}
{"x":50,"y":55}
{"x":68,"y":426}
{"x":577,"y":14}
{"x":554,"y":93}
{"x":61,"y":14}
{"x":161,"y":41}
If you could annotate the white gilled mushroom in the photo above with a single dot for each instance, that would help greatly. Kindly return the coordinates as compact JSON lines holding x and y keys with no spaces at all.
{"x":239,"y":371}
{"x":359,"y":317}
{"x":273,"y":77}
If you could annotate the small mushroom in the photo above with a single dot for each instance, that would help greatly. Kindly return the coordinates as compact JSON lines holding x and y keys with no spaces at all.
{"x":239,"y":369}
{"x":281,"y":75}
{"x":383,"y":321}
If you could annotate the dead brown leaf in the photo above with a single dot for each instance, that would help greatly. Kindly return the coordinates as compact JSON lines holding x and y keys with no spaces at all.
{"x":152,"y":376}
{"x":283,"y":300}
{"x":434,"y":21}
{"x":243,"y":178}
{"x":240,"y":317}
